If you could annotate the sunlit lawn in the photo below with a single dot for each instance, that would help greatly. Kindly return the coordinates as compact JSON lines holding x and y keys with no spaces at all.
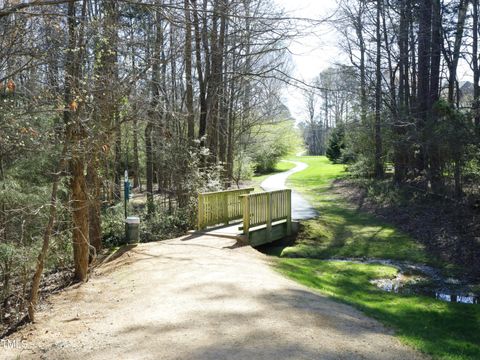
{"x":443,"y":330}
{"x":341,"y":230}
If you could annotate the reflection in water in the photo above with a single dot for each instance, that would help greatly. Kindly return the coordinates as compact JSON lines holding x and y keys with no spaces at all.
{"x":457,"y":298}
{"x":397,"y":286}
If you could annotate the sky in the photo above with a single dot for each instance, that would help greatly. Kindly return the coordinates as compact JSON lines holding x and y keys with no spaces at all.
{"x":311,"y":53}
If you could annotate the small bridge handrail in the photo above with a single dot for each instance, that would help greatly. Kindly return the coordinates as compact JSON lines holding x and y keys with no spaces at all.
{"x":227,"y":191}
{"x":265,"y":208}
{"x":220,"y":207}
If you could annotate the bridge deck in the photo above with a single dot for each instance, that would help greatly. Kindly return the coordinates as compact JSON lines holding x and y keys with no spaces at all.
{"x":258,"y":235}
{"x":230,"y":231}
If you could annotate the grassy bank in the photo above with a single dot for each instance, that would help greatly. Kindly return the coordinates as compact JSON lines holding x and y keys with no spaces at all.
{"x":341,"y":230}
{"x":443,"y":330}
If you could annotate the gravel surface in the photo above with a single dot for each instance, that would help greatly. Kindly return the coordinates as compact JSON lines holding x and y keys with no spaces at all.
{"x":199,"y":297}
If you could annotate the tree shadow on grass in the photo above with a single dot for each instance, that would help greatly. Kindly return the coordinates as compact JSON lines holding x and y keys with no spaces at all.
{"x":444,"y":329}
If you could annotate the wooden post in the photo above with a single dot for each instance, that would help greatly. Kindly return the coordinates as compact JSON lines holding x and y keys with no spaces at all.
{"x":246,"y":214}
{"x":200,"y":220}
{"x":269,"y":215}
{"x":289,"y":212}
{"x":225,"y":208}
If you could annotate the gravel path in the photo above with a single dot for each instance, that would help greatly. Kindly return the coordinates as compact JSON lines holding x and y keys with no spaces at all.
{"x":199,"y":297}
{"x":301,"y":208}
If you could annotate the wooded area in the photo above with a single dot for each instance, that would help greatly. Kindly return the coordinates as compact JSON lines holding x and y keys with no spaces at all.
{"x":185,"y":95}
{"x":408,"y":102}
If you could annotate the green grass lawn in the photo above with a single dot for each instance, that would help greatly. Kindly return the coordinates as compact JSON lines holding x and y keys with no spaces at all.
{"x":341,"y":230}
{"x":443,"y":330}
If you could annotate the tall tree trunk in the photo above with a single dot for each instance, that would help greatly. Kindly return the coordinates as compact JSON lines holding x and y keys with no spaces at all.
{"x":363,"y":76}
{"x":149,"y":167}
{"x":201,"y":40}
{"x":80,"y":214}
{"x":400,"y":153}
{"x":453,"y":62}
{"x":434,"y":157}
{"x":476,"y":69}
{"x":222,"y":126}
{"x":94,"y":207}
{"x":214,"y":85}
{"x":136,"y":160}
{"x":117,"y":157}
{"x":76,"y":137}
{"x":423,"y":89}
{"x":378,"y":98}
{"x":47,"y":233}
{"x":153,"y":113}
{"x":188,"y":73}
{"x":104,"y":115}
{"x":231,"y":114}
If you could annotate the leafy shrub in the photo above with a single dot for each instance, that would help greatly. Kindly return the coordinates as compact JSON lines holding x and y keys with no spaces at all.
{"x":243,"y":167}
{"x":272,"y":142}
{"x":164,"y":225}
{"x":113,"y":226}
{"x":363,"y":167}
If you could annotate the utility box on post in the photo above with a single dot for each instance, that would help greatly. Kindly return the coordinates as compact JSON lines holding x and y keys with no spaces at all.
{"x":132,"y":229}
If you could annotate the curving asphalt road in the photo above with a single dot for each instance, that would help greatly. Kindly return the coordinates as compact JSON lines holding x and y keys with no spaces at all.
{"x":301,"y":208}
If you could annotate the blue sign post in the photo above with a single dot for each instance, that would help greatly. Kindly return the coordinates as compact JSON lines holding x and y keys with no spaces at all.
{"x":126,"y":192}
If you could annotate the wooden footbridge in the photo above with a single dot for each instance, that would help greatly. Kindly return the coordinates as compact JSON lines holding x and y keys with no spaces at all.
{"x":265,"y":216}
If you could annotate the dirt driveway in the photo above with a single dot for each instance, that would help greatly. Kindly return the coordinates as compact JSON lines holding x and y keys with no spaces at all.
{"x":199,"y":298}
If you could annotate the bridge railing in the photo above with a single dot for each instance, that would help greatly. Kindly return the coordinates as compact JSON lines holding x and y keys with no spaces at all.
{"x":266,"y":208}
{"x":220,"y":207}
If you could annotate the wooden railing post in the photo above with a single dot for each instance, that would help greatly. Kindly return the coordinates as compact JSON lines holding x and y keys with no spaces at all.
{"x":225,"y":208}
{"x":269,"y":215}
{"x":289,"y":212}
{"x":246,"y":214}
{"x":201,"y":212}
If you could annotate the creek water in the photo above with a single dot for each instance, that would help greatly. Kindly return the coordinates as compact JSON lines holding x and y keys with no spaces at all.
{"x":437,"y":289}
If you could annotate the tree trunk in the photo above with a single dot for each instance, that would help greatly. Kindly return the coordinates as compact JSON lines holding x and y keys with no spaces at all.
{"x":453,"y":63}
{"x":76,"y":136}
{"x":33,"y":299}
{"x":94,"y":215}
{"x":80,"y":215}
{"x":213,"y":88}
{"x":136,"y":162}
{"x":153,"y":113}
{"x":149,"y":167}
{"x":222,"y":125}
{"x":434,"y":157}
{"x":201,"y":38}
{"x":188,"y":73}
{"x":378,"y":99}
{"x":400,"y":119}
{"x":476,"y":70}
{"x":423,"y":90}
{"x":363,"y":76}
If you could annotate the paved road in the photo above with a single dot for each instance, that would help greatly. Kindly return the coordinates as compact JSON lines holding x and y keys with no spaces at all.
{"x":195,"y":298}
{"x":301,"y":208}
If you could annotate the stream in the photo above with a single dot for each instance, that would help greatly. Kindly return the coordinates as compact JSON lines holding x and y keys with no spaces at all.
{"x":411,"y":278}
